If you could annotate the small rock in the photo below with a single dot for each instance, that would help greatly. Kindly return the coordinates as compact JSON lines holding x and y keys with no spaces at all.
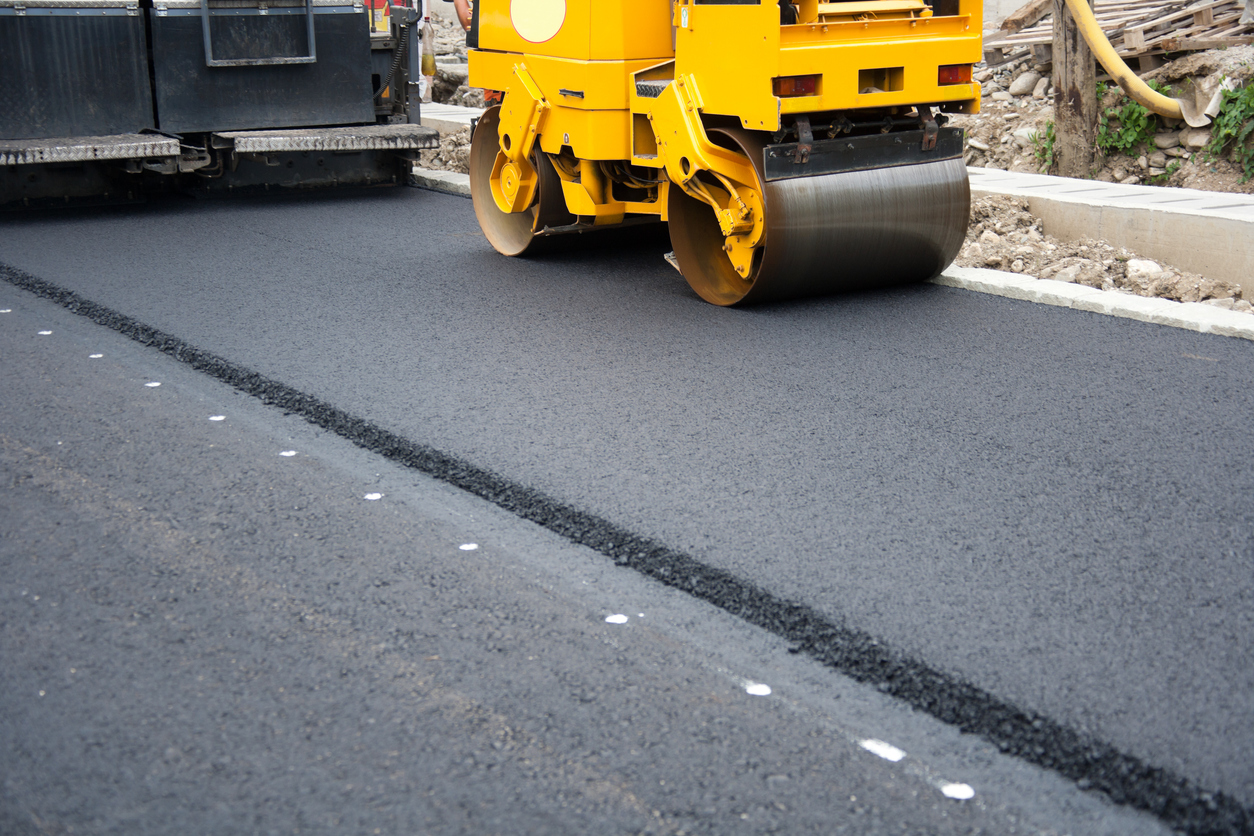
{"x":1142,"y":269}
{"x":1142,"y":162}
{"x":1001,"y":96}
{"x":983,"y":76}
{"x":1010,"y":116}
{"x":989,"y":237}
{"x":1016,"y":266}
{"x":1131,"y":180}
{"x":1195,"y":139}
{"x":1023,"y":137}
{"x":1176,"y":152}
{"x":1226,"y":304}
{"x":1068,"y":274}
{"x":1041,"y":89}
{"x":976,"y":144}
{"x":1157,"y":160}
{"x":1167,"y":140}
{"x":1243,"y":306}
{"x":1156,"y":172}
{"x":1025,"y":84}
{"x":973,"y":251}
{"x":1119,"y":173}
{"x":990,"y":88}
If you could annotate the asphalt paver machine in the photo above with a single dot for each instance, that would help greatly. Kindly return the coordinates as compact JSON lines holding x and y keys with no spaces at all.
{"x":109,"y":99}
{"x":794,"y":149}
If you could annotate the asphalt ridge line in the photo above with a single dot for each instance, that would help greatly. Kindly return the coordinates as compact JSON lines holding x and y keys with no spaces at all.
{"x":1194,"y":316}
{"x":1090,"y":763}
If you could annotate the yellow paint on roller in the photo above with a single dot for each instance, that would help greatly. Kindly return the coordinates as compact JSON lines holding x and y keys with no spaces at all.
{"x":537,"y":20}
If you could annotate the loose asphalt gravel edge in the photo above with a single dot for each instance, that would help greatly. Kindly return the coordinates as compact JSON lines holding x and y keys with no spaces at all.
{"x":1091,"y":763}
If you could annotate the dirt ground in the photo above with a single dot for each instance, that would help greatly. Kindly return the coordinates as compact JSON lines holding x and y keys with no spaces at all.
{"x":1006,"y":135}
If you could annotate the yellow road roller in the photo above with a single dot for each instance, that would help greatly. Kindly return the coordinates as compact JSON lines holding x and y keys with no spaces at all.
{"x":794,"y":149}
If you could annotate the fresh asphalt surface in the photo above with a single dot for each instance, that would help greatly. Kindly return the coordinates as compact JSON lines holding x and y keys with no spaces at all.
{"x":1049,"y":505}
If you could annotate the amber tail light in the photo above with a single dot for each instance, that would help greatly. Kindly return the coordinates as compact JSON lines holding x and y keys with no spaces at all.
{"x":796,"y":85}
{"x":954,"y":74}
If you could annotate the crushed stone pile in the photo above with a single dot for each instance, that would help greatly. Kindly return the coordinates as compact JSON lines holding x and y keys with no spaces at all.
{"x":1004,"y":235}
{"x":452,"y":155}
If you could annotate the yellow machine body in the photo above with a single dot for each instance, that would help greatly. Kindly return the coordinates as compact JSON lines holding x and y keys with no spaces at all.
{"x":619,"y":110}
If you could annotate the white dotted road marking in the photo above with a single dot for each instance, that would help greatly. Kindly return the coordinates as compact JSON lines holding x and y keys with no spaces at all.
{"x":374,"y":496}
{"x":887,"y":751}
{"x":44,"y":333}
{"x":94,"y":356}
{"x":289,"y":453}
{"x":616,"y":618}
{"x":7,"y":310}
{"x":468,"y":547}
{"x":959,"y":791}
{"x":217,"y":417}
{"x":153,"y":385}
{"x":758,"y":689}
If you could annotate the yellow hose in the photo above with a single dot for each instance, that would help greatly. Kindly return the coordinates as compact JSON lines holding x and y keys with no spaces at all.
{"x":1136,"y":89}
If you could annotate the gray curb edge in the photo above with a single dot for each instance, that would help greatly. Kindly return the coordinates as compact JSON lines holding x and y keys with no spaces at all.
{"x":1194,"y":316}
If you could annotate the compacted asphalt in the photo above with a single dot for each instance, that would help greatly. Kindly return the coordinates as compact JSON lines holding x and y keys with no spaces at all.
{"x":1025,"y":523}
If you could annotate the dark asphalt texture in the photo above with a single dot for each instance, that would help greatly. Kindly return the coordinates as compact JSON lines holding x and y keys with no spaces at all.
{"x":203,"y":635}
{"x":1048,"y":505}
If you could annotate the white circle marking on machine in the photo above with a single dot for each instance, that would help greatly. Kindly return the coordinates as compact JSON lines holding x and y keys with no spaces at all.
{"x":537,"y":20}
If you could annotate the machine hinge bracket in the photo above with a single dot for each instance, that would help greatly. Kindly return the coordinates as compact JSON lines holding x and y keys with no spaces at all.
{"x":805,"y":140}
{"x":20,"y":11}
{"x":930,"y":129}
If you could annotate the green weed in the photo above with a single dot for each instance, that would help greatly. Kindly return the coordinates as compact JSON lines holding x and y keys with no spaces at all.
{"x":1043,"y":145}
{"x":1234,"y":129}
{"x":1125,"y":128}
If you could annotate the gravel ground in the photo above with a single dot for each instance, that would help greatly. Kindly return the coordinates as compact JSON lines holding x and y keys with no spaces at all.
{"x":1004,"y":236}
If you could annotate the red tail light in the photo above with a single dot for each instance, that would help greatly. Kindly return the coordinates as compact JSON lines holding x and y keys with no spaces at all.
{"x":796,"y":85}
{"x":954,"y":74}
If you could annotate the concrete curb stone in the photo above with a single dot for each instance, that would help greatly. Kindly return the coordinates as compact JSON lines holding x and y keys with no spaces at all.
{"x":1193,"y":316}
{"x":448,"y":182}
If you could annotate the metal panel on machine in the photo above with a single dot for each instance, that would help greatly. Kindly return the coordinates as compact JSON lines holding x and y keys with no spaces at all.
{"x":72,"y":68}
{"x":264,"y":77}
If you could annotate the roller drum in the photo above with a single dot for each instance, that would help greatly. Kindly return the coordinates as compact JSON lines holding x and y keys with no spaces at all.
{"x":830,"y":233}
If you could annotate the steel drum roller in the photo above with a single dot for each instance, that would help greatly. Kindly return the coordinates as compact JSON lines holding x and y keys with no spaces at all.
{"x":829,"y":233}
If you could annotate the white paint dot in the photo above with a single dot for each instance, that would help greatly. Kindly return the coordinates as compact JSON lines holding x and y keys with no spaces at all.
{"x":289,"y":453}
{"x":887,"y":751}
{"x":960,"y":791}
{"x":217,"y":417}
{"x":44,"y":333}
{"x":616,"y":618}
{"x":758,"y":689}
{"x":153,"y":385}
{"x":373,"y":496}
{"x":94,"y":356}
{"x":7,"y":310}
{"x":468,"y":547}
{"x":41,"y":693}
